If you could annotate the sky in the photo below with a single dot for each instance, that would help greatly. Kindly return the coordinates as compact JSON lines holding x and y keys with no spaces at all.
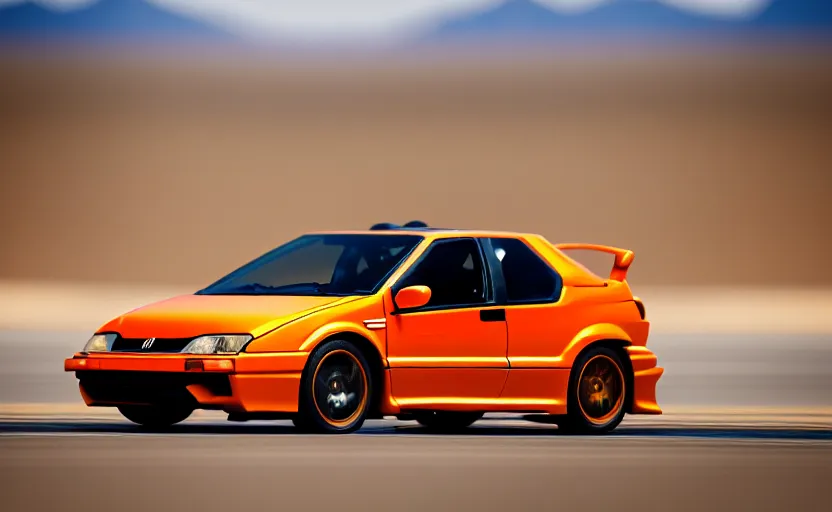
{"x":339,"y":18}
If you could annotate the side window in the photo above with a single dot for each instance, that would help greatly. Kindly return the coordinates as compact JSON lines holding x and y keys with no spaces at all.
{"x":528,"y":278}
{"x":453,"y":271}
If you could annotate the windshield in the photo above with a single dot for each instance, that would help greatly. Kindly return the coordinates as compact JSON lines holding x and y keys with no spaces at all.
{"x":339,"y":265}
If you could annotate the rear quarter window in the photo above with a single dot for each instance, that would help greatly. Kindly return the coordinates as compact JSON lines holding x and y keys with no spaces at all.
{"x":528,"y":278}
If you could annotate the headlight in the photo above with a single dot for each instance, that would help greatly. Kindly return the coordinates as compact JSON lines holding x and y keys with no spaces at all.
{"x":100,"y":343}
{"x":230,"y":344}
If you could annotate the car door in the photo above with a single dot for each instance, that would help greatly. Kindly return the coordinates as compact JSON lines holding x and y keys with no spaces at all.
{"x":452,"y":351}
{"x":540,"y":325}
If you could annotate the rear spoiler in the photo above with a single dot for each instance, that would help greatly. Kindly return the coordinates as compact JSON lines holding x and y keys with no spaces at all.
{"x":623,"y":257}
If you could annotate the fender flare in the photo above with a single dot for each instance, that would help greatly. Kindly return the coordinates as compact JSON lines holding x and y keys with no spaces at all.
{"x":334,"y":328}
{"x":593,"y":334}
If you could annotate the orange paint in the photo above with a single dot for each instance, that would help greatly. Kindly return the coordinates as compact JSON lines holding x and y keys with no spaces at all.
{"x":443,"y":384}
{"x":623,"y":257}
{"x":265,"y":392}
{"x":462,"y":358}
{"x":413,"y":297}
{"x":546,"y":387}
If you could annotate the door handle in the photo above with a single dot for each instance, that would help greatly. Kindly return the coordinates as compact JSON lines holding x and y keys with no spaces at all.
{"x":493,"y":315}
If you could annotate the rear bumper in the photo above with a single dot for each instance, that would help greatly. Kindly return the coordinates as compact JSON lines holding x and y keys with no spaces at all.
{"x":241,"y":383}
{"x":646,"y":375}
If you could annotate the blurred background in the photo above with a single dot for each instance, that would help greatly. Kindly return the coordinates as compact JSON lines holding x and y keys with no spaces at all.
{"x":168,"y":141}
{"x":149,"y":147}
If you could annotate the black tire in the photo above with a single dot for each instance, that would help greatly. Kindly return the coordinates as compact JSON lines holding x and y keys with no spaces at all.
{"x":447,"y":421}
{"x":597,"y":393}
{"x":300,"y":424}
{"x":155,"y":416}
{"x":336,"y":390}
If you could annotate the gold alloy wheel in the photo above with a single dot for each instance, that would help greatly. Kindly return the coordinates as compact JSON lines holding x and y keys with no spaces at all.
{"x":339,"y":388}
{"x":600,"y":389}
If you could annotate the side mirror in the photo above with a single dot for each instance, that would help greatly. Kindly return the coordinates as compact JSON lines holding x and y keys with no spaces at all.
{"x":412,"y":297}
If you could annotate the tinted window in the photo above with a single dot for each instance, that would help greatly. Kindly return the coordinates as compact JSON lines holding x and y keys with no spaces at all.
{"x":528,"y":278}
{"x":453,"y":271}
{"x":320,"y":265}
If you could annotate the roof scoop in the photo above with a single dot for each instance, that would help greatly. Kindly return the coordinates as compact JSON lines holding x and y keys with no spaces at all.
{"x":389,"y":225}
{"x":384,"y":226}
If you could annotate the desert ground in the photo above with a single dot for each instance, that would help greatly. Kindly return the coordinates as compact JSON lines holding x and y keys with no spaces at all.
{"x":714,"y":166}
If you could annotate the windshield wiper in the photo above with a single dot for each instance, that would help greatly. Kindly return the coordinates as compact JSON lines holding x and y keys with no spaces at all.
{"x":315,"y":287}
{"x":257,"y":288}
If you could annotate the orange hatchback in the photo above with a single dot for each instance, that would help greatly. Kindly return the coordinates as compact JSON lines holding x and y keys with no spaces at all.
{"x":436,"y":325}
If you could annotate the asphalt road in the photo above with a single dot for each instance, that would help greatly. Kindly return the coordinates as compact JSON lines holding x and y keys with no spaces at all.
{"x":408,"y":472}
{"x":66,"y":461}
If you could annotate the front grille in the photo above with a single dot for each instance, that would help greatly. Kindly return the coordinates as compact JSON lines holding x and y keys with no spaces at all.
{"x":149,"y":387}
{"x":165,"y":345}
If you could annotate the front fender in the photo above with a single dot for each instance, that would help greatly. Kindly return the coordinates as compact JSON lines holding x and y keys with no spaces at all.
{"x":305,"y":334}
{"x":334,"y":328}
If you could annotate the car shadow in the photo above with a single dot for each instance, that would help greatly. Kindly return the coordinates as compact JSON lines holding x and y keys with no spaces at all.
{"x":483,"y":428}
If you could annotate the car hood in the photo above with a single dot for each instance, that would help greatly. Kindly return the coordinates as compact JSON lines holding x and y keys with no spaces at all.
{"x":187,"y":316}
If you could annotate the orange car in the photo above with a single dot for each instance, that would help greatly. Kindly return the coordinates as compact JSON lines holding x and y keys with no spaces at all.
{"x":436,"y":325}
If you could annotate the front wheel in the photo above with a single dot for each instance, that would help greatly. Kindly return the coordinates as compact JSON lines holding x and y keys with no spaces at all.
{"x":597,"y":393}
{"x":335,"y":390}
{"x":447,"y":421}
{"x":155,"y":416}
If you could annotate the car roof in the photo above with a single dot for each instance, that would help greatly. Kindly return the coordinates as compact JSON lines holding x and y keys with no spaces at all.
{"x":426,"y":232}
{"x":420,"y":228}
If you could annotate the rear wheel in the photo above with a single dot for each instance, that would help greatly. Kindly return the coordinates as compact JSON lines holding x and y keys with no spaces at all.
{"x":597,"y":393}
{"x":447,"y":421}
{"x":155,"y":416}
{"x":335,"y":390}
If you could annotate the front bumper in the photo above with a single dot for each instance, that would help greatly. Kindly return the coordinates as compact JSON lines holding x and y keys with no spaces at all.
{"x":241,"y":383}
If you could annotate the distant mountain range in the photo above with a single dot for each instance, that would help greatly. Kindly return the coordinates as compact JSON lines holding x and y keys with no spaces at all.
{"x":528,"y":19}
{"x":796,"y":14}
{"x":510,"y":20}
{"x":103,"y":20}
